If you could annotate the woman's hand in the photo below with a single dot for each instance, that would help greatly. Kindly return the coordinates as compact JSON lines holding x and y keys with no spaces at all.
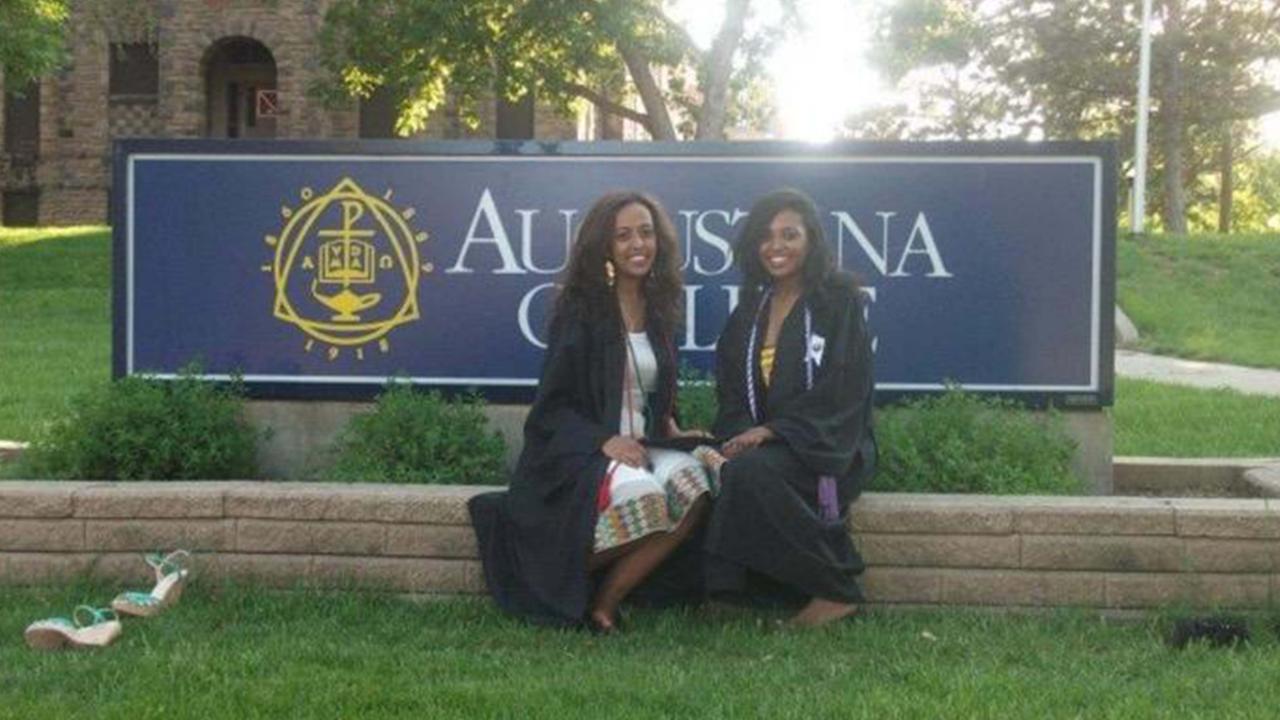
{"x":673,"y":430}
{"x":746,"y":440}
{"x":627,"y":451}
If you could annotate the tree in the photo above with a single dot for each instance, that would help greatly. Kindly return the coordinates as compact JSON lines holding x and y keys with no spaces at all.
{"x":1225,"y":58}
{"x":1068,"y":70}
{"x":1257,"y":185}
{"x":31,"y":39}
{"x":935,"y":47}
{"x":562,"y":50}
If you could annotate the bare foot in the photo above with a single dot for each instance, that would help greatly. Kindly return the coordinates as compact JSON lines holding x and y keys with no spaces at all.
{"x":820,"y":612}
{"x":602,"y":623}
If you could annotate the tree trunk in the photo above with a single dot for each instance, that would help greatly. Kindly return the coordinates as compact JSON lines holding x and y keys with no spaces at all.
{"x":718,"y":70}
{"x":1226,"y":172}
{"x":655,"y":105}
{"x":1175,"y":201}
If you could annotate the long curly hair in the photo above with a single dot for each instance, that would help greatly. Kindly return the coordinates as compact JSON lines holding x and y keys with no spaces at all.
{"x":819,"y":264}
{"x":585,"y":280}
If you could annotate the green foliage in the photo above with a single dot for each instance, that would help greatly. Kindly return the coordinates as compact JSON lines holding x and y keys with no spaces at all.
{"x":142,"y":429}
{"x":420,"y":437}
{"x":924,"y":33}
{"x":1255,"y":205}
{"x":1067,"y":71}
{"x":962,"y":443}
{"x":429,"y":52}
{"x":31,"y":40}
{"x":697,"y":399}
{"x":956,"y":442}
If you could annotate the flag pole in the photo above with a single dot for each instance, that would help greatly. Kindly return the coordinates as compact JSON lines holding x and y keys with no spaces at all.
{"x":1144,"y":109}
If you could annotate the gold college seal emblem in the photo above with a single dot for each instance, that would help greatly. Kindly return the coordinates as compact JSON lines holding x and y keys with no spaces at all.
{"x":346,"y":268}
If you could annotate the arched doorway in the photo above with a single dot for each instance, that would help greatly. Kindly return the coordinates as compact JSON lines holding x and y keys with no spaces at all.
{"x":240,"y":88}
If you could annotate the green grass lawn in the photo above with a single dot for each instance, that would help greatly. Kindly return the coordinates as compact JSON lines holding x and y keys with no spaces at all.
{"x":55,"y":291}
{"x":1207,"y":297}
{"x":1174,"y":421}
{"x":250,"y":654}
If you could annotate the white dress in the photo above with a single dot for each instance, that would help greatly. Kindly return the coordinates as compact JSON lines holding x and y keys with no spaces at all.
{"x":636,"y":502}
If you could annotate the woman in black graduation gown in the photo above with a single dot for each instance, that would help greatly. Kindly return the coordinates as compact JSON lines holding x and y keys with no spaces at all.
{"x":795,"y":390}
{"x":591,"y":511}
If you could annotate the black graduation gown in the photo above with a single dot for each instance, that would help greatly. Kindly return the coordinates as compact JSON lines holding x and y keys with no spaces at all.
{"x":535,"y":537}
{"x":765,"y":539}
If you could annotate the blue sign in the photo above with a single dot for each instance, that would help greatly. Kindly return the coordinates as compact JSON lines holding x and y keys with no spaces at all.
{"x":322,"y":269}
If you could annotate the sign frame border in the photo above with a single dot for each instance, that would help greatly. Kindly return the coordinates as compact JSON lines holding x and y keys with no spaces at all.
{"x":363,"y":389}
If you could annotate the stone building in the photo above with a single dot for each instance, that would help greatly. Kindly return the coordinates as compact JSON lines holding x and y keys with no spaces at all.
{"x":202,"y":68}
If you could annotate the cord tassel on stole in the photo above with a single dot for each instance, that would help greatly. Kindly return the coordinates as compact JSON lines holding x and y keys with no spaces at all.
{"x":828,"y":498}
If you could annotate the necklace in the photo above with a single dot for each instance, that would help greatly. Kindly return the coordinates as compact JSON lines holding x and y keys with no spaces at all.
{"x":633,"y":319}
{"x":633,"y":367}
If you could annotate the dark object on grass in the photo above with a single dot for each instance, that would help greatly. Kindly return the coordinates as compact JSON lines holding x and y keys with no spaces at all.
{"x":1218,"y":631}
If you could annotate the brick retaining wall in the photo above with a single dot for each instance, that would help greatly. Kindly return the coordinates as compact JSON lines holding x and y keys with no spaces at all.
{"x":921,"y":549}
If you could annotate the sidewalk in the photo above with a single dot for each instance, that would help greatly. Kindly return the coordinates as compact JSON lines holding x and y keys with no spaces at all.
{"x":1254,"y":381}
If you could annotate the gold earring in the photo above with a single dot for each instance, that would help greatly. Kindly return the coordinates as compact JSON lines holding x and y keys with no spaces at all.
{"x":609,"y":272}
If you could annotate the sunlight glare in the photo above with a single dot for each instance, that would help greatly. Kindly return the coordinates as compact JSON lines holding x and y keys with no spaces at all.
{"x":820,"y":74}
{"x":1269,"y":129}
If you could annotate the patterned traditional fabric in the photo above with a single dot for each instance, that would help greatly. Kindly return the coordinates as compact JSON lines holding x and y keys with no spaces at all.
{"x":643,"y":502}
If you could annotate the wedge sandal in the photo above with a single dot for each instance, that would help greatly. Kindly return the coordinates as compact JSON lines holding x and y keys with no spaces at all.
{"x":171,"y":577}
{"x":87,"y":627}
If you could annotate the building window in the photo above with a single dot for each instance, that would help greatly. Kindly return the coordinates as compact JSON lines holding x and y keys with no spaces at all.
{"x":22,"y":124}
{"x":135,"y":69}
{"x":378,"y":114}
{"x":240,"y":90}
{"x":515,"y":119}
{"x":233,"y":110}
{"x":21,"y":208}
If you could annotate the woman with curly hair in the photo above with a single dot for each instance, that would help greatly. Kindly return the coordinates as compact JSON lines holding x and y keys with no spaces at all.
{"x":793,"y":374}
{"x":592,"y":510}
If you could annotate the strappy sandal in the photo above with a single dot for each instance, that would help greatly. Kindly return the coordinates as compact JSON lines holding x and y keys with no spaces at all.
{"x":171,"y":577}
{"x":87,"y":627}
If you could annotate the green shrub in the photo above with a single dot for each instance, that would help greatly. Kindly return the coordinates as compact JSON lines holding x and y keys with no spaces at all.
{"x":420,"y":437}
{"x":143,"y":429}
{"x":697,"y":398}
{"x":952,"y":443}
{"x":962,"y":443}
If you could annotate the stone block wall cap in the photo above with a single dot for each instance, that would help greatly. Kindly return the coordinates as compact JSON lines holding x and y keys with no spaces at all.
{"x":45,"y":485}
{"x":1265,"y":481}
{"x":360,"y":502}
{"x":875,"y":500}
{"x":1218,"y":462}
{"x":908,"y":497}
{"x":1228,"y":505}
{"x":377,"y":490}
{"x":1227,"y":518}
{"x":1122,"y":516}
{"x":151,"y":485}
